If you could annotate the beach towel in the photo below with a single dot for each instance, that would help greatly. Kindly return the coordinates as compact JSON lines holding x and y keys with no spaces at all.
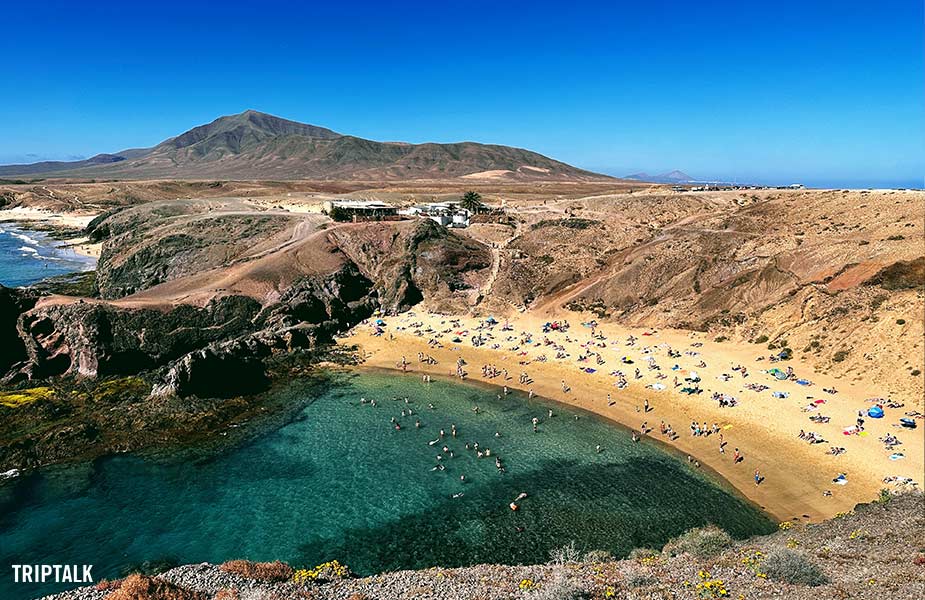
{"x":897,"y":456}
{"x":589,"y":370}
{"x":778,"y":374}
{"x":780,"y":394}
{"x":804,"y":382}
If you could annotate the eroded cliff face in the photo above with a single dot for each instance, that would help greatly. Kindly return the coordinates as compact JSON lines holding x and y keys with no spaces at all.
{"x":414,"y":261}
{"x":210,"y":338}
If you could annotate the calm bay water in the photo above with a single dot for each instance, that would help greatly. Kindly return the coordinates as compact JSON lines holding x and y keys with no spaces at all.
{"x":27,"y":257}
{"x":339,"y":481}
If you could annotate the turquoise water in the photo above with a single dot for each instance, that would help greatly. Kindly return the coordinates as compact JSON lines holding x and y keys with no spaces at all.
{"x":27,"y":257}
{"x":340,"y":482}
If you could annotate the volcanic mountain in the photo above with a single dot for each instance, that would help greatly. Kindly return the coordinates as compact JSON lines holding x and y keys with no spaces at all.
{"x":254,"y":145}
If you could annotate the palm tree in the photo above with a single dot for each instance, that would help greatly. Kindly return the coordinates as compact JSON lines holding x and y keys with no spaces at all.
{"x":472,"y":201}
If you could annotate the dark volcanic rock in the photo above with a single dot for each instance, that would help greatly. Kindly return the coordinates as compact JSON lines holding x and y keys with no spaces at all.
{"x":91,"y":339}
{"x":12,"y":304}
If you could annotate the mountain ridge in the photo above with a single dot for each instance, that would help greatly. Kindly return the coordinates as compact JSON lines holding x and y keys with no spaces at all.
{"x":675,"y":176}
{"x":256,"y":145}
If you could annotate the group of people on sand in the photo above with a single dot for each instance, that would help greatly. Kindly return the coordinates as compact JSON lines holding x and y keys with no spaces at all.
{"x":557,"y":335}
{"x":491,"y":371}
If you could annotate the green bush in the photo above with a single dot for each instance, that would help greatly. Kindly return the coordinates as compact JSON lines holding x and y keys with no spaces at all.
{"x":900,"y":321}
{"x":840,"y":356}
{"x":703,"y":542}
{"x":761,"y":339}
{"x":793,"y":567}
{"x":339,"y":214}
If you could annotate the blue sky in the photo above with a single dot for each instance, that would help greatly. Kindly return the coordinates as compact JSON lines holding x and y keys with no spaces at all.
{"x":822,"y":92}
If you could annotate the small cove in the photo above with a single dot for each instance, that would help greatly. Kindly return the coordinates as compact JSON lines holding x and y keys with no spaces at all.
{"x":339,"y":481}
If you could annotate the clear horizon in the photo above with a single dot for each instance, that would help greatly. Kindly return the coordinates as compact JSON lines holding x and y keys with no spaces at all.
{"x":828,"y":95}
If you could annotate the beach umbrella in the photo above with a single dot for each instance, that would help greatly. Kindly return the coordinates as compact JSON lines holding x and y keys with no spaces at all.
{"x":875,"y":412}
{"x":380,"y":322}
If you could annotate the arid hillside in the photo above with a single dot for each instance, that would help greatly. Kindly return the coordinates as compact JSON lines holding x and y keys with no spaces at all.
{"x":199,"y":278}
{"x":838,"y":276}
{"x":255,"y":145}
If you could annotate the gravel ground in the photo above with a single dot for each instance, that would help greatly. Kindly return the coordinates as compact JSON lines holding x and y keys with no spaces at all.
{"x":877,"y":551}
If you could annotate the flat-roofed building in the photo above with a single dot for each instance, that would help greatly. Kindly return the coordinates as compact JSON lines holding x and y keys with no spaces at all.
{"x":362,"y":210}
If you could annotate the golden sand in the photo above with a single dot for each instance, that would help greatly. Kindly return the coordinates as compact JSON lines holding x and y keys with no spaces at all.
{"x":764,"y":429}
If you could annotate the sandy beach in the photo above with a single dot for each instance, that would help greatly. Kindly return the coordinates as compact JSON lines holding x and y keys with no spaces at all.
{"x":70,"y":220}
{"x":764,"y":424}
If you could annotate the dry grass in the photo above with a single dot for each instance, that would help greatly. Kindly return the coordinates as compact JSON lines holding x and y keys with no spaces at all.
{"x":108,"y":585}
{"x":268,"y":572}
{"x":142,"y":587}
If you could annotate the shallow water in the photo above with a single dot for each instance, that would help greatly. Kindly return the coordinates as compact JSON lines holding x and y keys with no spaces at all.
{"x":27,"y":257}
{"x":340,"y":482}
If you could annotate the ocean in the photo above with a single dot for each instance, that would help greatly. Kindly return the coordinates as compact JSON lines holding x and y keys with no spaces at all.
{"x":27,"y":257}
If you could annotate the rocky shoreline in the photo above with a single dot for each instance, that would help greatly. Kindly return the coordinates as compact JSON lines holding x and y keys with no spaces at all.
{"x":873,"y":552}
{"x":187,"y":367}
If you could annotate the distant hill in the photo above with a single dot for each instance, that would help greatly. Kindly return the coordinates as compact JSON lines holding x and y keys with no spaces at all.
{"x":670,"y":177}
{"x":254,"y":145}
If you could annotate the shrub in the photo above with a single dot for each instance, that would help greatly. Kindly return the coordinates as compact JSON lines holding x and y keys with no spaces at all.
{"x":598,"y":556}
{"x":915,"y":372}
{"x":761,"y":339}
{"x":793,"y":567}
{"x":108,"y":585}
{"x":641,"y":554}
{"x":565,"y":555}
{"x":143,"y":587}
{"x":702,"y":542}
{"x":720,"y":339}
{"x":268,"y":572}
{"x":900,"y":321}
{"x":328,"y":571}
{"x":637,"y":577}
{"x":339,"y":214}
{"x":840,"y":356}
{"x":557,"y":587}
